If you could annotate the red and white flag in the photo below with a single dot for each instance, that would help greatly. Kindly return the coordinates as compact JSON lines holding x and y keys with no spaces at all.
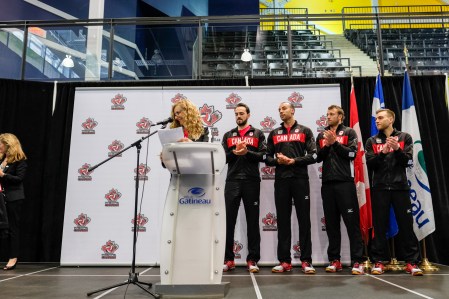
{"x":361,"y":172}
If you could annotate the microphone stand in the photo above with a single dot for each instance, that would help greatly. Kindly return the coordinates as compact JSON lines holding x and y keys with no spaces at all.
{"x":133,"y":277}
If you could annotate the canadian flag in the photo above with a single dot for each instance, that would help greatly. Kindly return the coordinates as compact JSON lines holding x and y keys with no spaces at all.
{"x":360,"y":172}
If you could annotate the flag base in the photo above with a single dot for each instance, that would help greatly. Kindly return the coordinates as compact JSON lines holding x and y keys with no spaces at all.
{"x":367,"y":265}
{"x":427,"y":266}
{"x":394,"y":265}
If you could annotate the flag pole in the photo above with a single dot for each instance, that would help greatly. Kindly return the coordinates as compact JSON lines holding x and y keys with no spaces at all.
{"x":394,"y":264}
{"x":425,"y":265}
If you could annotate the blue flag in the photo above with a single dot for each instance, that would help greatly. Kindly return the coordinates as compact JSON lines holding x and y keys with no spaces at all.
{"x":420,"y":196}
{"x":378,"y":103}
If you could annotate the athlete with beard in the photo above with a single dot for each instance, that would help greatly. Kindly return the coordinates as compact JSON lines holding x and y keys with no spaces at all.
{"x":291,"y":147}
{"x":245,"y":148}
{"x":337,"y":148}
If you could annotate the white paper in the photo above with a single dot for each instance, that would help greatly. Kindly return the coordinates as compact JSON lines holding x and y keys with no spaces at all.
{"x":170,"y":135}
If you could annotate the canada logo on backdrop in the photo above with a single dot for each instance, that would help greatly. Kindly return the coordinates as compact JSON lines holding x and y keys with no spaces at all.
{"x":140,"y":223}
{"x":178,"y":97}
{"x":84,"y":173}
{"x":233,"y":99}
{"x":115,"y":147}
{"x":320,"y":171}
{"x":81,"y":223}
{"x":143,"y":126}
{"x":89,"y":126}
{"x":142,"y":172}
{"x":210,"y":116}
{"x":321,"y":123}
{"x":112,"y":198}
{"x":109,"y":250}
{"x":297,"y":250}
{"x":237,"y":248}
{"x":268,"y":172}
{"x":118,"y":101}
{"x":323,"y":224}
{"x":267,"y":124}
{"x":295,"y":99}
{"x":270,"y":222}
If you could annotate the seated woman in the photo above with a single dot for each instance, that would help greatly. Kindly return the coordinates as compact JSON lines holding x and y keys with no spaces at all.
{"x":186,"y":115}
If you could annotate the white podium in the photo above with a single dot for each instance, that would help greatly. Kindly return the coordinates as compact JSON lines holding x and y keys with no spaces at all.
{"x":193,"y":232}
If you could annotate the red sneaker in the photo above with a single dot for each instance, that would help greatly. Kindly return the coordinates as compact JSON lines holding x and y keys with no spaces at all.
{"x":378,"y":269}
{"x":307,"y":268}
{"x":282,"y":267}
{"x":228,"y":266}
{"x":252,"y":266}
{"x":334,"y":266}
{"x":413,"y":269}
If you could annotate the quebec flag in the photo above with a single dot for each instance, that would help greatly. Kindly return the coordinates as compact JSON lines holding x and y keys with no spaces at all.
{"x":420,"y":196}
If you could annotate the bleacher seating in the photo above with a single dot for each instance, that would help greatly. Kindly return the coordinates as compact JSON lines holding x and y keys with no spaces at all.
{"x":311,"y":54}
{"x":427,"y":48}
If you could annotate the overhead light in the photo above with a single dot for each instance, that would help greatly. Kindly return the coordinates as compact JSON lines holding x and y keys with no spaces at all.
{"x":246,"y":56}
{"x":68,"y":62}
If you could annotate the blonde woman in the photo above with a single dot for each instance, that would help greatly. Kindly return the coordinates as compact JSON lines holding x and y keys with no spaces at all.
{"x":186,"y":115}
{"x":12,"y":172}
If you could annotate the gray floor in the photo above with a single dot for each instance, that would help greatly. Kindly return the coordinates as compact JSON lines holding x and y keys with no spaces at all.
{"x":52,"y":281}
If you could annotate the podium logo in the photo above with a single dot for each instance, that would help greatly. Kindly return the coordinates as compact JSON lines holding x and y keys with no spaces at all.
{"x":109,"y":250}
{"x":118,"y":101}
{"x":267,"y":124}
{"x":268,"y":172}
{"x":88,"y":126}
{"x":321,"y":123}
{"x":295,"y":99}
{"x":178,"y":97}
{"x":232,"y":100}
{"x":143,"y":126}
{"x":115,"y":147}
{"x":81,"y":223}
{"x":323,"y":224}
{"x":270,"y":222}
{"x":84,"y":173}
{"x":195,"y":197}
{"x":142,"y":172}
{"x":140,"y":223}
{"x":297,"y":250}
{"x":237,"y":248}
{"x":112,"y":198}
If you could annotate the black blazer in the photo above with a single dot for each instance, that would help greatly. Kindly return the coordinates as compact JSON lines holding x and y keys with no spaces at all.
{"x":12,"y":181}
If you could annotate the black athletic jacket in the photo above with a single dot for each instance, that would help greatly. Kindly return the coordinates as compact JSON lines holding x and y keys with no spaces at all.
{"x":299,"y":144}
{"x":389,"y":169}
{"x":337,"y":158}
{"x":244,"y":167}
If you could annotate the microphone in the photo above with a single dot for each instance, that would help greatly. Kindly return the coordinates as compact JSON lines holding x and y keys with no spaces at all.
{"x":163,"y":122}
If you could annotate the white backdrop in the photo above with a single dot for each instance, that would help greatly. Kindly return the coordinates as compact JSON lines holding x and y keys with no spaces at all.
{"x":100,"y":205}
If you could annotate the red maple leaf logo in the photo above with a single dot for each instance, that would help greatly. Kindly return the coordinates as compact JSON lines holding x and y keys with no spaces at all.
{"x":118,"y":100}
{"x":113,"y":195}
{"x":295,"y":98}
{"x":84,"y":170}
{"x":143,"y":169}
{"x":81,"y":220}
{"x":297,"y":248}
{"x":237,"y":247}
{"x":322,"y":121}
{"x":109,"y":247}
{"x":268,"y":122}
{"x":178,"y":97}
{"x":209,"y":115}
{"x":141,"y":220}
{"x":116,"y":146}
{"x":143,"y":123}
{"x":268,"y":170}
{"x":323,"y":220}
{"x":233,"y":99}
{"x":89,"y":124}
{"x":269,"y":219}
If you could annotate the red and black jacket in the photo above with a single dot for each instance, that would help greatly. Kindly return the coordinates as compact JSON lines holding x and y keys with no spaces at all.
{"x":298,"y":144}
{"x":245,"y":167}
{"x":389,"y":169}
{"x":338,"y":158}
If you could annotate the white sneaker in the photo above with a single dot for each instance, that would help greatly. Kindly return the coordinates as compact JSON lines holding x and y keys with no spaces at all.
{"x":307,"y":268}
{"x":357,"y":269}
{"x":252,"y":267}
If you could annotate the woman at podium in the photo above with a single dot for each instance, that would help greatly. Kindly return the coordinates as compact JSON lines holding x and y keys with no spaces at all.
{"x":186,"y":115}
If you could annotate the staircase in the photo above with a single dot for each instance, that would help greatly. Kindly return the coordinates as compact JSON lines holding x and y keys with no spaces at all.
{"x":357,"y":57}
